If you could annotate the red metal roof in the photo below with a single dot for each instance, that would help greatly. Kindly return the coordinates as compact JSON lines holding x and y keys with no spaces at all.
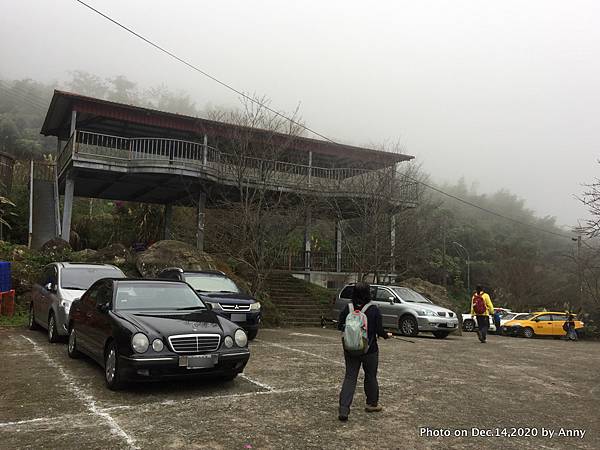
{"x":59,"y":115}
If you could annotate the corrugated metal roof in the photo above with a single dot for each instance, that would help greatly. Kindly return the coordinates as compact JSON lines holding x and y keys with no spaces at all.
{"x":58,"y":118}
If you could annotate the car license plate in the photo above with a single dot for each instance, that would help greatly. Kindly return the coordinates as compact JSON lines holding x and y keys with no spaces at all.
{"x":238,"y":317}
{"x":198,"y":361}
{"x":451,"y":325}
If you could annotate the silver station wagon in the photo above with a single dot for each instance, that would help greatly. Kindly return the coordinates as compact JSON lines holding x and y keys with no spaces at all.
{"x":403,"y":310}
{"x":62,"y":283}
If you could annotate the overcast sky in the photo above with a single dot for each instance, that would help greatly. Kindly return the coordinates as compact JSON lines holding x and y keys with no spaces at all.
{"x":506,"y":93}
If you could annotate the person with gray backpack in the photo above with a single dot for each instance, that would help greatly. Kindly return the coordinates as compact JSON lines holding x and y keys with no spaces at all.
{"x":361,"y":324}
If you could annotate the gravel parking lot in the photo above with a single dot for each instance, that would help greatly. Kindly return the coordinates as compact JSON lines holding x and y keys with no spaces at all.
{"x":287,"y":397}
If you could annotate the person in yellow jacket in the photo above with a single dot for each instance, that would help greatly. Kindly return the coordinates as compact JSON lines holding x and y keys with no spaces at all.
{"x":481,"y":309}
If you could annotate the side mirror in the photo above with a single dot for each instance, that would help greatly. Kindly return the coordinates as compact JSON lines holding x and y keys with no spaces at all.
{"x":50,"y":287}
{"x":103,"y":307}
{"x":208,"y":306}
{"x":391,"y":300}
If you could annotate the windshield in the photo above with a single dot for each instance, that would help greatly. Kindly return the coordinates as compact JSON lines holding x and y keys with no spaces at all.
{"x":509,"y":316}
{"x":82,"y":278}
{"x":408,"y":295}
{"x":156,"y":296}
{"x":210,"y":282}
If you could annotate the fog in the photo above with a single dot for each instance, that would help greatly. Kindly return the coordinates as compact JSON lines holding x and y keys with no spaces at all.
{"x":504,"y":93}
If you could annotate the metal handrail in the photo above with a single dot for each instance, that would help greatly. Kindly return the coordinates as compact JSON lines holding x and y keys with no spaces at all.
{"x":222,"y":163}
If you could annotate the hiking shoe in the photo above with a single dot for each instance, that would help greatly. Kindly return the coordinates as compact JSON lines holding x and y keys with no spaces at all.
{"x":371,"y":408}
{"x":343,"y":418}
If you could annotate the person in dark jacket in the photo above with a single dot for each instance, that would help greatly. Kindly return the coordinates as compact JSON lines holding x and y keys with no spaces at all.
{"x":369,"y":361}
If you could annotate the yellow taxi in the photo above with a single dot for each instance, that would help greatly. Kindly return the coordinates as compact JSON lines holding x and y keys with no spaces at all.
{"x":545,"y":323}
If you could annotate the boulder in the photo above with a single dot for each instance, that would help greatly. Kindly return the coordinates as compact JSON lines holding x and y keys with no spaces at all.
{"x":116,"y":254}
{"x":55,"y":246}
{"x":87,"y":255}
{"x":165,"y":254}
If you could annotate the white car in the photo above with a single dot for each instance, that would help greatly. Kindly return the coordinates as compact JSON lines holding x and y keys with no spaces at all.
{"x":470,"y":324}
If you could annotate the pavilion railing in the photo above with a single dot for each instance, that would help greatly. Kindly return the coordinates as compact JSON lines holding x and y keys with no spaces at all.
{"x":230,"y":165}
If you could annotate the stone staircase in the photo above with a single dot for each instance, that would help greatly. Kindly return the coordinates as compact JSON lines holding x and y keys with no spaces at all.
{"x":294,"y":300}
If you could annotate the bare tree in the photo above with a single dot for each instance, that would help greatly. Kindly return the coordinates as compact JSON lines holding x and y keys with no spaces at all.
{"x":264,"y":201}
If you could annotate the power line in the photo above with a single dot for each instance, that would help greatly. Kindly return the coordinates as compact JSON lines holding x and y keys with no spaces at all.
{"x":22,"y":94}
{"x":291,"y":120}
{"x":20,"y":98}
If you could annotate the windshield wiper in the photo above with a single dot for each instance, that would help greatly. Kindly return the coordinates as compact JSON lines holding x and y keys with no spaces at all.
{"x":226,"y":292}
{"x":75,"y":288}
{"x":188,"y":308}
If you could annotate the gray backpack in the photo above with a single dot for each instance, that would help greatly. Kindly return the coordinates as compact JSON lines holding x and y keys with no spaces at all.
{"x":355,"y":331}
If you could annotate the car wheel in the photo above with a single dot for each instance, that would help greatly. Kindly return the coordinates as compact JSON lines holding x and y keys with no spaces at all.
{"x":52,"y":330}
{"x":408,"y":326}
{"x":72,"y":344}
{"x":441,"y":334}
{"x":112,"y":373}
{"x":469,"y":325}
{"x":528,"y":332}
{"x":252,"y":334}
{"x":32,"y":324}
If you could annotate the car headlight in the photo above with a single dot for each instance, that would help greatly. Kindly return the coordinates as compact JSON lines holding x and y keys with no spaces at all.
{"x":428,"y":312}
{"x":213,"y":305}
{"x":228,"y":342}
{"x":240,"y":338}
{"x":255,"y":306}
{"x":157,"y":345}
{"x":139,"y":342}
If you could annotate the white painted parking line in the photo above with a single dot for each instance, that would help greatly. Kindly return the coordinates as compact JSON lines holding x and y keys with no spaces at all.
{"x":257,"y":383}
{"x":305,"y":334}
{"x":381,"y":376}
{"x":86,"y":398}
{"x":64,"y":418}
{"x":292,"y":349}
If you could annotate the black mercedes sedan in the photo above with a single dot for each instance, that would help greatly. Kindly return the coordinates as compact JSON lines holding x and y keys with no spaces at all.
{"x":148,"y":329}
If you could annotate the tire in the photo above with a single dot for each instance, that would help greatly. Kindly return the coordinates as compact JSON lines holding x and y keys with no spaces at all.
{"x":112,"y":373}
{"x":408,"y":326}
{"x":31,"y":323}
{"x":441,"y":334}
{"x":52,"y":330}
{"x":528,"y":332}
{"x":229,"y":376}
{"x":72,"y":344}
{"x":469,"y":325}
{"x":252,"y":334}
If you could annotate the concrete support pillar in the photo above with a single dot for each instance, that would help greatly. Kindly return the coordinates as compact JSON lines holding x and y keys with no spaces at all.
{"x":338,"y":245}
{"x":393,"y":243}
{"x":168,"y":221}
{"x":201,"y":216}
{"x":310,"y":158}
{"x":73,"y":122}
{"x":307,"y":245}
{"x":67,"y":207}
{"x":205,"y":150}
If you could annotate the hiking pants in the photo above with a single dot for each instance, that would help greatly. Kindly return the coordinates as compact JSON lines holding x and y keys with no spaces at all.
{"x":369,"y":363}
{"x":483,"y":323}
